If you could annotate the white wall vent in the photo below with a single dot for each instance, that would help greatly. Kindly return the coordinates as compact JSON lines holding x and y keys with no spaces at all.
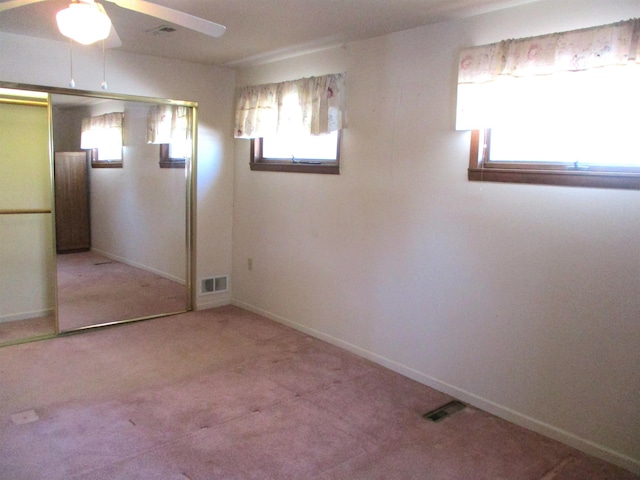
{"x":217,"y":284}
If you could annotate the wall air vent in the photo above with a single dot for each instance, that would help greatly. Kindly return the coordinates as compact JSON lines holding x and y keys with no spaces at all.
{"x":161,"y":30}
{"x":217,"y":284}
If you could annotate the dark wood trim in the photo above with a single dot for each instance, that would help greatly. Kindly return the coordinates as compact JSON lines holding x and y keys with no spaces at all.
{"x":556,"y":177}
{"x":168,"y":162}
{"x":97,"y":163}
{"x":475,"y":159}
{"x":295,"y":168}
{"x":482,"y":170}
{"x":259,"y":163}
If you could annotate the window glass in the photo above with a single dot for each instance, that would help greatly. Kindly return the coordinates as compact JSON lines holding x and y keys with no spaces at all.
{"x":297,"y":153}
{"x":301,"y":147}
{"x":179,"y":149}
{"x":584,"y":117}
{"x":109,"y":144}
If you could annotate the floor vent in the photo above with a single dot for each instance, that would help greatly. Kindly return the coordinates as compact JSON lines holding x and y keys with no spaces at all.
{"x":444,"y":411}
{"x":161,"y":30}
{"x":214,"y":284}
{"x":25,"y":417}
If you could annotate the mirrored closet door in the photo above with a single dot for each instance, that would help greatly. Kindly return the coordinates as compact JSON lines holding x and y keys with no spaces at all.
{"x":27,"y":257}
{"x":119,"y":184}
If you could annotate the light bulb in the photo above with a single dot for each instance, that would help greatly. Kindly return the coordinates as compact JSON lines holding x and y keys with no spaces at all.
{"x":85,"y":23}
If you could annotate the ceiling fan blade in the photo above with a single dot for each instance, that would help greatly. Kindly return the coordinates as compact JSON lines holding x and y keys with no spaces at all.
{"x":112,"y":40}
{"x":173,"y":16}
{"x":16,"y":3}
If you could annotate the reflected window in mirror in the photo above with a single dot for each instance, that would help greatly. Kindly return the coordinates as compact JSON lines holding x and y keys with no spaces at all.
{"x":102,"y":135}
{"x":170,"y":126}
{"x":97,"y":162}
{"x":173,"y":155}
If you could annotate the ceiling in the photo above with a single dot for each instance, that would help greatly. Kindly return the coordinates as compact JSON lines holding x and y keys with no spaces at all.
{"x":257,"y":30}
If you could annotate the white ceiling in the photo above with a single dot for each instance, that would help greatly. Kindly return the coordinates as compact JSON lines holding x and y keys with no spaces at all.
{"x":257,"y":30}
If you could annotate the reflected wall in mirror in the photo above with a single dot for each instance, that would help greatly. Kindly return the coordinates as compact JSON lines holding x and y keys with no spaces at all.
{"x":122,"y":233}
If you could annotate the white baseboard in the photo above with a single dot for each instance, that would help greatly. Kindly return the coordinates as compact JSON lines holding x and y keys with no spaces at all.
{"x":141,"y":266}
{"x":221,"y":302}
{"x":26,"y":315}
{"x":568,"y":438}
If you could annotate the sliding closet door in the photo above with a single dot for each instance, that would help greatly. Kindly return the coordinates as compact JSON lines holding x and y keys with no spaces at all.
{"x":27,"y":276}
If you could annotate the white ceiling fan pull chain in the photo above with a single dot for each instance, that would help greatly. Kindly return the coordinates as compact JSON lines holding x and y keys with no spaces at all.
{"x":103,"y":85}
{"x":72,"y":82}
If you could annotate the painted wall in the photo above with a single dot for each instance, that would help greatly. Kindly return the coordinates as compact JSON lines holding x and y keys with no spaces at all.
{"x":523,"y":300}
{"x":40,"y":62}
{"x":26,"y":240}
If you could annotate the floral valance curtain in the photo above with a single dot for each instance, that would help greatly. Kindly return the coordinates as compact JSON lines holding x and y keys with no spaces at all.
{"x":486,"y":72}
{"x":103,"y":132}
{"x":96,"y":131}
{"x":313,"y":105}
{"x":169,"y":124}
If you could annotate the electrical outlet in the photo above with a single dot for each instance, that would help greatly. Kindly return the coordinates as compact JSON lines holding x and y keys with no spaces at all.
{"x":250,"y":263}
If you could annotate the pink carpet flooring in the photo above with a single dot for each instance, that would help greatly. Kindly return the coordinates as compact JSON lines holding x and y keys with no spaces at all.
{"x":18,"y":330}
{"x":226,"y":394}
{"x":93,"y":290}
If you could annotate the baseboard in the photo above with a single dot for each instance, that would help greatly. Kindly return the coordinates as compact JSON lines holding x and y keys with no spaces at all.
{"x":141,"y":266}
{"x":563,"y":436}
{"x":221,"y":302}
{"x":26,"y":315}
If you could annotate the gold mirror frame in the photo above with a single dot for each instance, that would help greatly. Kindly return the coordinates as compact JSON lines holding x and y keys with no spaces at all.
{"x":190,"y":200}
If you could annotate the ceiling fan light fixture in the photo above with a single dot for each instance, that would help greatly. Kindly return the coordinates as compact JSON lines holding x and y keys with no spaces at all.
{"x":86,"y":23}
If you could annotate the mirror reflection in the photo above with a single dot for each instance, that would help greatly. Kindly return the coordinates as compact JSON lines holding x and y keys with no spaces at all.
{"x":120,"y":216}
{"x":118,"y":181}
{"x":27,"y":259}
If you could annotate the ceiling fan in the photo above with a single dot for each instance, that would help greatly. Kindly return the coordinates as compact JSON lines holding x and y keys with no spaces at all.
{"x":86,"y":21}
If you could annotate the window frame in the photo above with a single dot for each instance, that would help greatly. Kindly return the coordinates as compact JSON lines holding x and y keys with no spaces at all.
{"x":481,"y":169}
{"x":259,"y":163}
{"x":96,"y":162}
{"x":168,"y":162}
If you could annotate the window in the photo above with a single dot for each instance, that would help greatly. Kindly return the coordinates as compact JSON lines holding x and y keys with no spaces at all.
{"x":97,"y":162}
{"x":297,"y":153}
{"x":170,"y":126}
{"x":539,"y":121}
{"x":294,"y":126}
{"x":173,"y":155}
{"x":102,"y":135}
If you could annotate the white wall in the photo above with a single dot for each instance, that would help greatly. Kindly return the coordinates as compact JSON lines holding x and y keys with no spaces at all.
{"x":26,"y":240}
{"x":40,"y":62}
{"x":521,"y":299}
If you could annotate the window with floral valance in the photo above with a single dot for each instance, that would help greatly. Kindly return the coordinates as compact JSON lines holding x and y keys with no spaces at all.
{"x":170,"y":126}
{"x":294,"y":126}
{"x":556,"y":105}
{"x":314,"y":105}
{"x":103,"y":135}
